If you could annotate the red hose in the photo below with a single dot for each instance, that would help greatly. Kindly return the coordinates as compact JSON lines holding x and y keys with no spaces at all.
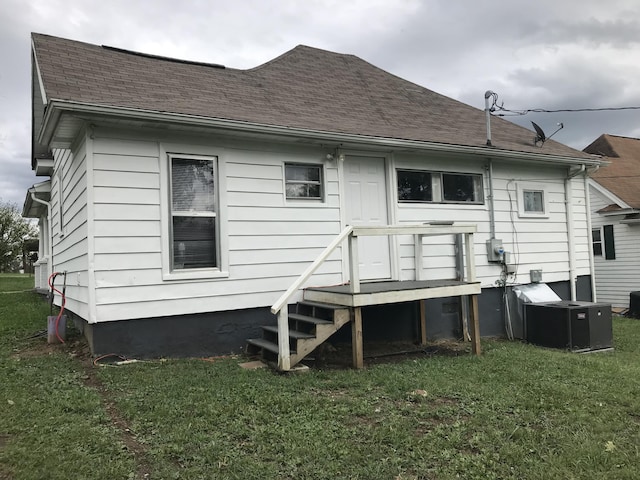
{"x":64,"y":301}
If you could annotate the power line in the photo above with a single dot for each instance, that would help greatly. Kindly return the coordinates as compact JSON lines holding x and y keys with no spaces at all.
{"x":508,"y":112}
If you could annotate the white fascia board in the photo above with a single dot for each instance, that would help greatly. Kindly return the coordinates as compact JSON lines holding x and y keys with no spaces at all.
{"x":608,"y":193}
{"x":56,"y":107}
{"x":38,"y":74}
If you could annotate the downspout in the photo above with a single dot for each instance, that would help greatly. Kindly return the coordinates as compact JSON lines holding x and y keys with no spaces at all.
{"x":592,"y":266}
{"x":571,"y":244}
{"x":49,"y":233}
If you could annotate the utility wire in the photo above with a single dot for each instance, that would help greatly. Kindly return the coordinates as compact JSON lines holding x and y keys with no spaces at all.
{"x":508,"y":112}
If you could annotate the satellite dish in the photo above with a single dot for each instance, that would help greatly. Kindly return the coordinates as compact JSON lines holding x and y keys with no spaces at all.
{"x":540,"y":136}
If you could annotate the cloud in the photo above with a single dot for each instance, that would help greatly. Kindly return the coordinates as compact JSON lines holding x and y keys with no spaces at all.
{"x":544,"y":54}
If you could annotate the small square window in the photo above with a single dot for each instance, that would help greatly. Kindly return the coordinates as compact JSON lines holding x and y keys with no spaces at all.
{"x":303,"y":181}
{"x":533,"y":201}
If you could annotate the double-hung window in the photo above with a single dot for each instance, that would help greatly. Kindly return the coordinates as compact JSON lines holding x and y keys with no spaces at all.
{"x":193,"y":213}
{"x":439,"y":187}
{"x":303,"y":181}
{"x":603,"y":242}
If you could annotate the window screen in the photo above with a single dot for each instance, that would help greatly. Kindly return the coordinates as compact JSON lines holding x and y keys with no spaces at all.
{"x":193,"y":213}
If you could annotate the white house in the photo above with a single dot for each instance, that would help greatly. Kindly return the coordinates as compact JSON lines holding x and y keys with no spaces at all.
{"x":615,"y":207}
{"x":183,"y":199}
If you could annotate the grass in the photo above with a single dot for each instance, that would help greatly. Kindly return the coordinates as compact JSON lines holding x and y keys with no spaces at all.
{"x":51,"y":424}
{"x":15,"y":282}
{"x":517,"y":412}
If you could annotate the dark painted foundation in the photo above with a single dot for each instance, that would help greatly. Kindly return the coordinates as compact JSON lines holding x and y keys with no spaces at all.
{"x":220,"y":333}
{"x":196,"y":335}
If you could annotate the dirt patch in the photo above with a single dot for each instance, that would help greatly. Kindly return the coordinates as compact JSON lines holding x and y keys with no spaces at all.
{"x":137,"y":449}
{"x":77,"y":348}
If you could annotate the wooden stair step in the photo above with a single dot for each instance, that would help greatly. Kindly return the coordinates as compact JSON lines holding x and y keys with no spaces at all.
{"x":327,"y":306}
{"x":292,"y":333}
{"x":265,"y":345}
{"x":312,"y":320}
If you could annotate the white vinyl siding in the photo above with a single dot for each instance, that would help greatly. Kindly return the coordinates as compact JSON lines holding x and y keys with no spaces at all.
{"x":533,"y":243}
{"x":69,"y":216}
{"x":268,"y":240}
{"x":615,"y":278}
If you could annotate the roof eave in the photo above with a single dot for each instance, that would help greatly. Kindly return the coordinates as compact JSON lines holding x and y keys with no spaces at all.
{"x":57,"y":107}
{"x":34,"y":208}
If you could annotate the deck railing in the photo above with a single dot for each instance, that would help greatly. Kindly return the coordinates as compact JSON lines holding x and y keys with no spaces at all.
{"x":280,"y":308}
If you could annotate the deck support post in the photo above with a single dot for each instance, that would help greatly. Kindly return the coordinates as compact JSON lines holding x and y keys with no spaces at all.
{"x":284,"y":354}
{"x":474,"y":320}
{"x":354,"y":262}
{"x":475,"y":326}
{"x":356,"y":338}
{"x":423,"y":323}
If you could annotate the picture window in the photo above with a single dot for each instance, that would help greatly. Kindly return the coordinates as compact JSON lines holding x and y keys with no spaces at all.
{"x":438,"y":187}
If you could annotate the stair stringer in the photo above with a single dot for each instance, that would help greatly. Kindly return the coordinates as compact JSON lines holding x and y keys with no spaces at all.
{"x":305,"y":346}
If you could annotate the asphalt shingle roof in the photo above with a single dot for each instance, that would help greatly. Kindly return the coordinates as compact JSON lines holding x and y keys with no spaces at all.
{"x":304,"y":88}
{"x":622,"y":176}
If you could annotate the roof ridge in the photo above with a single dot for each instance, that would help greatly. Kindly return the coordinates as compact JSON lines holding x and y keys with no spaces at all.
{"x":296,"y":49}
{"x":162,"y":57}
{"x":621,"y":136}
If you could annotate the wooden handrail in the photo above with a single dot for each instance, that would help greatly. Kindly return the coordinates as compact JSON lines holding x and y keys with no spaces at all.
{"x":281,"y":306}
{"x":284,"y":298}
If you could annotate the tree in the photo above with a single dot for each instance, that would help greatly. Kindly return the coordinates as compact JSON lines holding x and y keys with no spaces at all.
{"x":14,"y":230}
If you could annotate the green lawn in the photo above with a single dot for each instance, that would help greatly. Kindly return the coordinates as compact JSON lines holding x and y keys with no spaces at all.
{"x":517,"y":412}
{"x":14,"y":282}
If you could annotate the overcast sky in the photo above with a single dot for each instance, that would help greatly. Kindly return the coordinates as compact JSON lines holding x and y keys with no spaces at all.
{"x":551,"y":54}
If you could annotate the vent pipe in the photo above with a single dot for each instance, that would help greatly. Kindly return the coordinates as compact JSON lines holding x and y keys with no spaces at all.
{"x":487,"y":110}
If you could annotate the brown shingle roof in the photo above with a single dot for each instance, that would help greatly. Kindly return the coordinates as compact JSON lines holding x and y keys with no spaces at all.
{"x":622,"y":176}
{"x":304,"y":88}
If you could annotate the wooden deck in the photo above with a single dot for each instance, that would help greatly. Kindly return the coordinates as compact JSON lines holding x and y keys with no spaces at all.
{"x":385,"y":292}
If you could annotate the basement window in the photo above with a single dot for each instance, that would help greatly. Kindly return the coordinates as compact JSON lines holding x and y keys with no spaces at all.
{"x":303,"y":181}
{"x":439,"y":187}
{"x":193,"y":212}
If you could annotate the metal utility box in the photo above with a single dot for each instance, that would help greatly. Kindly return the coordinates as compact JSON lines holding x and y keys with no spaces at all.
{"x":578,"y":326}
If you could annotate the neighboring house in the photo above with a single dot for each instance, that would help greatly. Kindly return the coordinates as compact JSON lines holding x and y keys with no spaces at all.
{"x":184,"y":198}
{"x":615,"y":207}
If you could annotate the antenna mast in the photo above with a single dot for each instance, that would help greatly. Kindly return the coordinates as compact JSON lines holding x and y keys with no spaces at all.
{"x":487,"y":110}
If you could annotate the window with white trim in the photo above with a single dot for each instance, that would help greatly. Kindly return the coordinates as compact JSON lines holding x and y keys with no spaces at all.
{"x":439,"y":187}
{"x":303,"y":181}
{"x":596,"y":241}
{"x":193,"y":213}
{"x":533,"y":200}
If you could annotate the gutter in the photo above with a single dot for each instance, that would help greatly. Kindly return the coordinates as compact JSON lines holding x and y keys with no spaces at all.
{"x":57,"y":107}
{"x":49,"y":233}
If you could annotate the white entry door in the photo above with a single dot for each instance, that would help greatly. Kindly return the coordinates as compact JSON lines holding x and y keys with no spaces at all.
{"x":366,"y":205}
